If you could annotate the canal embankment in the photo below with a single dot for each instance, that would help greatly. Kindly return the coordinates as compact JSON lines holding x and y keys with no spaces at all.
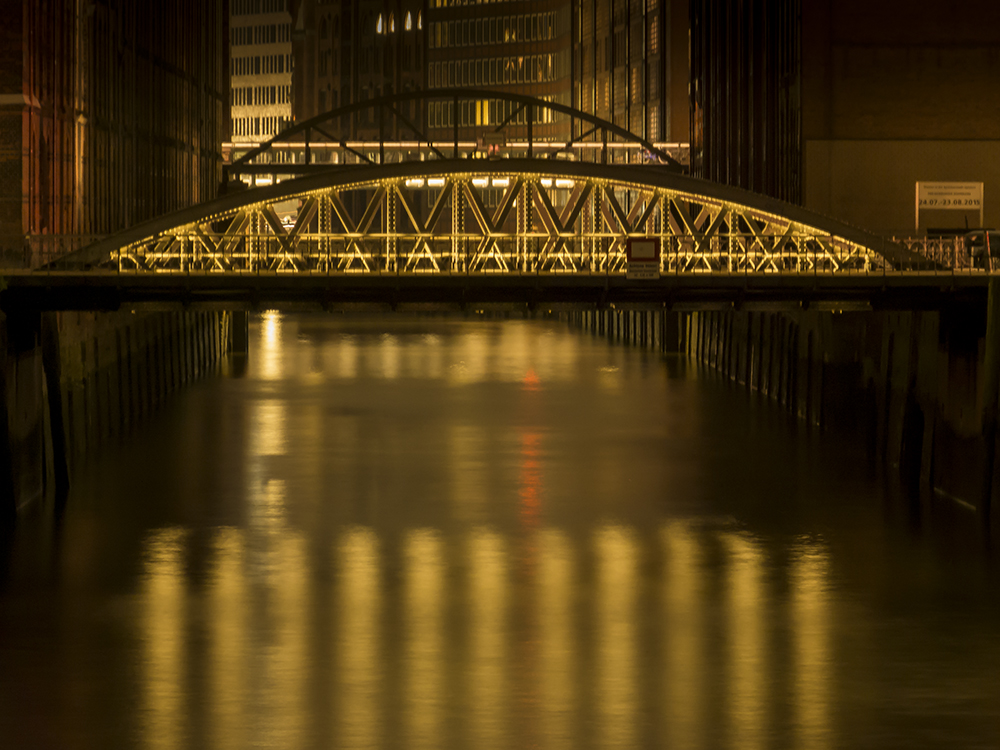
{"x":915,"y":386}
{"x":75,"y":382}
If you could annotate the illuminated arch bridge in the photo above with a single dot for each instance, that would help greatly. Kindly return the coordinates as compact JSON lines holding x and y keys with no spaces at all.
{"x":473,"y":224}
{"x":488,"y":217}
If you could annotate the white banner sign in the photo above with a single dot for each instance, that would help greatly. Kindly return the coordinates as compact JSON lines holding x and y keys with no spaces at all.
{"x":964,"y":196}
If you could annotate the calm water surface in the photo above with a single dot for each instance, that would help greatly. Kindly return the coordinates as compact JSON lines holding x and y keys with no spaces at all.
{"x":447,"y":534}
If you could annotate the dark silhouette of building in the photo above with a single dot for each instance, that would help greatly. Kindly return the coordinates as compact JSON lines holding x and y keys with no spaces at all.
{"x":624,"y":60}
{"x":844,"y":106}
{"x":109,"y":114}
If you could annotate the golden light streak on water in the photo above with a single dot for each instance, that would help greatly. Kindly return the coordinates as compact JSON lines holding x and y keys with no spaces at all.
{"x":164,"y":602}
{"x":467,"y":453}
{"x":811,"y":615}
{"x":557,"y":645}
{"x":288,"y":660}
{"x":617,"y":592}
{"x":267,"y":427}
{"x":340,"y":357}
{"x":423,"y":666}
{"x":684,"y":623}
{"x":488,"y":635}
{"x":271,"y":345}
{"x":748,"y":647}
{"x":389,"y":357}
{"x":228,"y":643}
{"x":359,"y":667}
{"x":474,"y":358}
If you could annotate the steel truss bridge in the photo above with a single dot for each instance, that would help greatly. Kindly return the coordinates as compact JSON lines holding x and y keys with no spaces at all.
{"x":474,"y":232}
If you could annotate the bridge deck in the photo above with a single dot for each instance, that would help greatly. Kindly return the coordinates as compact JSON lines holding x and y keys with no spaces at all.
{"x":109,"y":290}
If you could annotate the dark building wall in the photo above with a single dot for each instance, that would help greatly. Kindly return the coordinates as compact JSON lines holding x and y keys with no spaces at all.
{"x":343,"y":55}
{"x":745,"y":95}
{"x":110,"y":113}
{"x":895,"y":93}
{"x":844,"y":105}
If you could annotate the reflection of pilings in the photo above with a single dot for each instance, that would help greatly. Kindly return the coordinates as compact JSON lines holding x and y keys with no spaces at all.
{"x":83,"y":380}
{"x":655,"y":330}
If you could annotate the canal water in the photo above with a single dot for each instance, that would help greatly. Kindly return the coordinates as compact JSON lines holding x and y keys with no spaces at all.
{"x":439,"y":533}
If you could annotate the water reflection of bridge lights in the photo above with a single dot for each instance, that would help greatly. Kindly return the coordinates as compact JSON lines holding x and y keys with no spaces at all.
{"x":359,"y":666}
{"x":164,"y":626}
{"x":488,"y":658}
{"x":424,"y":687}
{"x":748,"y":643}
{"x":617,"y":592}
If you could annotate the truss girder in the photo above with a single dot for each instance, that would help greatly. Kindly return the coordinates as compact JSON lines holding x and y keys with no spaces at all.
{"x":490,"y":222}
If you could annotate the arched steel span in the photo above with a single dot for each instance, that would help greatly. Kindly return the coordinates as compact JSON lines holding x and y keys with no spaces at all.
{"x":387,"y":105}
{"x":478,"y":217}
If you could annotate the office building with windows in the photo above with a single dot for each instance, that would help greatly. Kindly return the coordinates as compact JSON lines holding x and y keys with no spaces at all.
{"x":514,"y":47}
{"x":261,"y":69}
{"x":355,"y":50}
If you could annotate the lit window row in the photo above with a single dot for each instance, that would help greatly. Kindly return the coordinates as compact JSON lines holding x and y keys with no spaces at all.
{"x":261,"y":65}
{"x":248,"y":96}
{"x":251,"y":7}
{"x":495,"y":71}
{"x":388,"y":25}
{"x":274,"y":33}
{"x":483,"y":112}
{"x":254,"y":126}
{"x":457,"y":3}
{"x":501,"y":30}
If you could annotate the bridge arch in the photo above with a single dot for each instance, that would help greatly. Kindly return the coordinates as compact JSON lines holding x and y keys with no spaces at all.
{"x":601,"y":131}
{"x":512,"y":216}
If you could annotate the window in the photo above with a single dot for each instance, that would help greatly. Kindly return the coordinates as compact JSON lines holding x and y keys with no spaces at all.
{"x":420,"y":19}
{"x":392,"y":23}
{"x":378,"y":24}
{"x":409,"y":22}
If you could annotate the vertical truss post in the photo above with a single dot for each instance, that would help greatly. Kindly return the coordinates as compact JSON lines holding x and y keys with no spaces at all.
{"x":524,"y":226}
{"x":391,"y":263}
{"x":325,"y":230}
{"x":458,"y":257}
{"x":308,"y":135}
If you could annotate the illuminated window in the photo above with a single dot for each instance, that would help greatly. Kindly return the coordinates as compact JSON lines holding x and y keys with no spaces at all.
{"x":378,"y":24}
{"x":392,"y":23}
{"x":420,"y":19}
{"x":409,"y":21}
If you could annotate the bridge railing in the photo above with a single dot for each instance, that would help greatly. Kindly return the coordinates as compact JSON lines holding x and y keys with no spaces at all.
{"x":949,"y":253}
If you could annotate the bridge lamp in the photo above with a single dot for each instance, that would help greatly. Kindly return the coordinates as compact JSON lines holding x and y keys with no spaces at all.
{"x":414,"y":183}
{"x":501,"y":182}
{"x":564,"y":183}
{"x":546,"y":182}
{"x":435,"y":182}
{"x":481,"y":182}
